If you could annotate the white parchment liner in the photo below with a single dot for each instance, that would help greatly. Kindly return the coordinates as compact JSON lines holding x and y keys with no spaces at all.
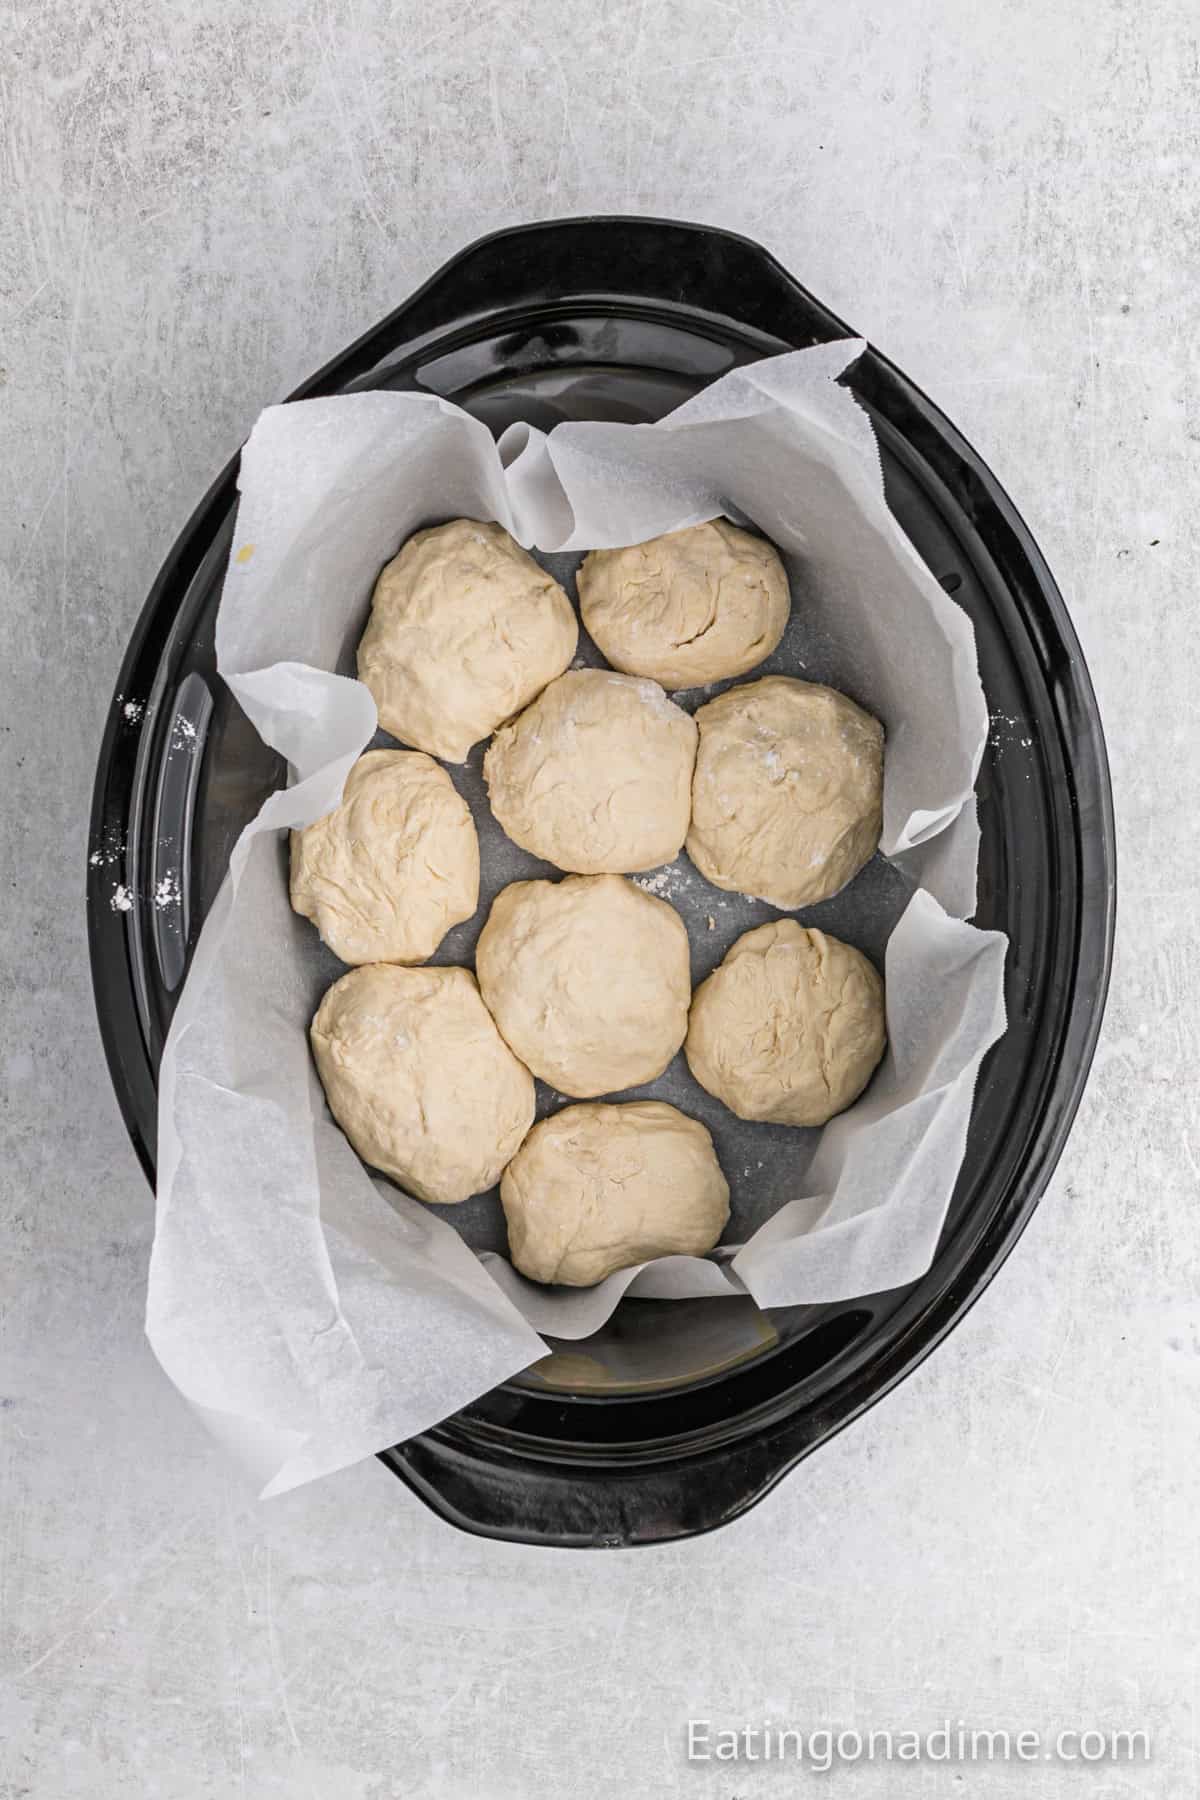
{"x":314,"y":1314}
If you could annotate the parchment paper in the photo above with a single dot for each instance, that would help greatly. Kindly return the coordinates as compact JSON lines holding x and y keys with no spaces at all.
{"x":312,"y":1313}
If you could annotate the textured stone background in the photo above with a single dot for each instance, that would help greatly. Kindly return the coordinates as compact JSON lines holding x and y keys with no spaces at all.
{"x":200,"y":200}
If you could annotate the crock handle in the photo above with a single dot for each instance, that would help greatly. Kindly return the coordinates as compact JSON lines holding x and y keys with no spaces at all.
{"x":641,"y":260}
{"x":581,"y":1507}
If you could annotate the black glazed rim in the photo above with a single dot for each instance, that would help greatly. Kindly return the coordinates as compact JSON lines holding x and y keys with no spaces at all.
{"x":572,"y":1471}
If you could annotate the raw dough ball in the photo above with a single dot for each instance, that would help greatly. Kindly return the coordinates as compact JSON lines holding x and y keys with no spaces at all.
{"x":694,"y":606}
{"x":789,"y":1028}
{"x":597,"y":1188}
{"x":465,"y":629}
{"x":787,"y":803}
{"x":420,"y":1080}
{"x":588,"y":980}
{"x":596,"y":775}
{"x":386,"y":874}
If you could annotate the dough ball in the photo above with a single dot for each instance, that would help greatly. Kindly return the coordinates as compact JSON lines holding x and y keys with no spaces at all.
{"x":588,"y":980}
{"x":787,"y":803}
{"x":596,"y":775}
{"x":694,"y":606}
{"x":420,"y":1080}
{"x":789,"y":1028}
{"x":597,"y":1188}
{"x":465,"y":629}
{"x":386,"y":874}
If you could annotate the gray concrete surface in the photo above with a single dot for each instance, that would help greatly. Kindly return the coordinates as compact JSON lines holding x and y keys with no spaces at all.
{"x":200,"y":200}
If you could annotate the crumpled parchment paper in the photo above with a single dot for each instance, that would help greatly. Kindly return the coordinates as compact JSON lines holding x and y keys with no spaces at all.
{"x":312,"y":1313}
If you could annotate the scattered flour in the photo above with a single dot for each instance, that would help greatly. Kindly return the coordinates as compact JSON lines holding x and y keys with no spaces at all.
{"x":649,"y":692}
{"x":1005,"y":726}
{"x":660,"y":882}
{"x":109,"y":851}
